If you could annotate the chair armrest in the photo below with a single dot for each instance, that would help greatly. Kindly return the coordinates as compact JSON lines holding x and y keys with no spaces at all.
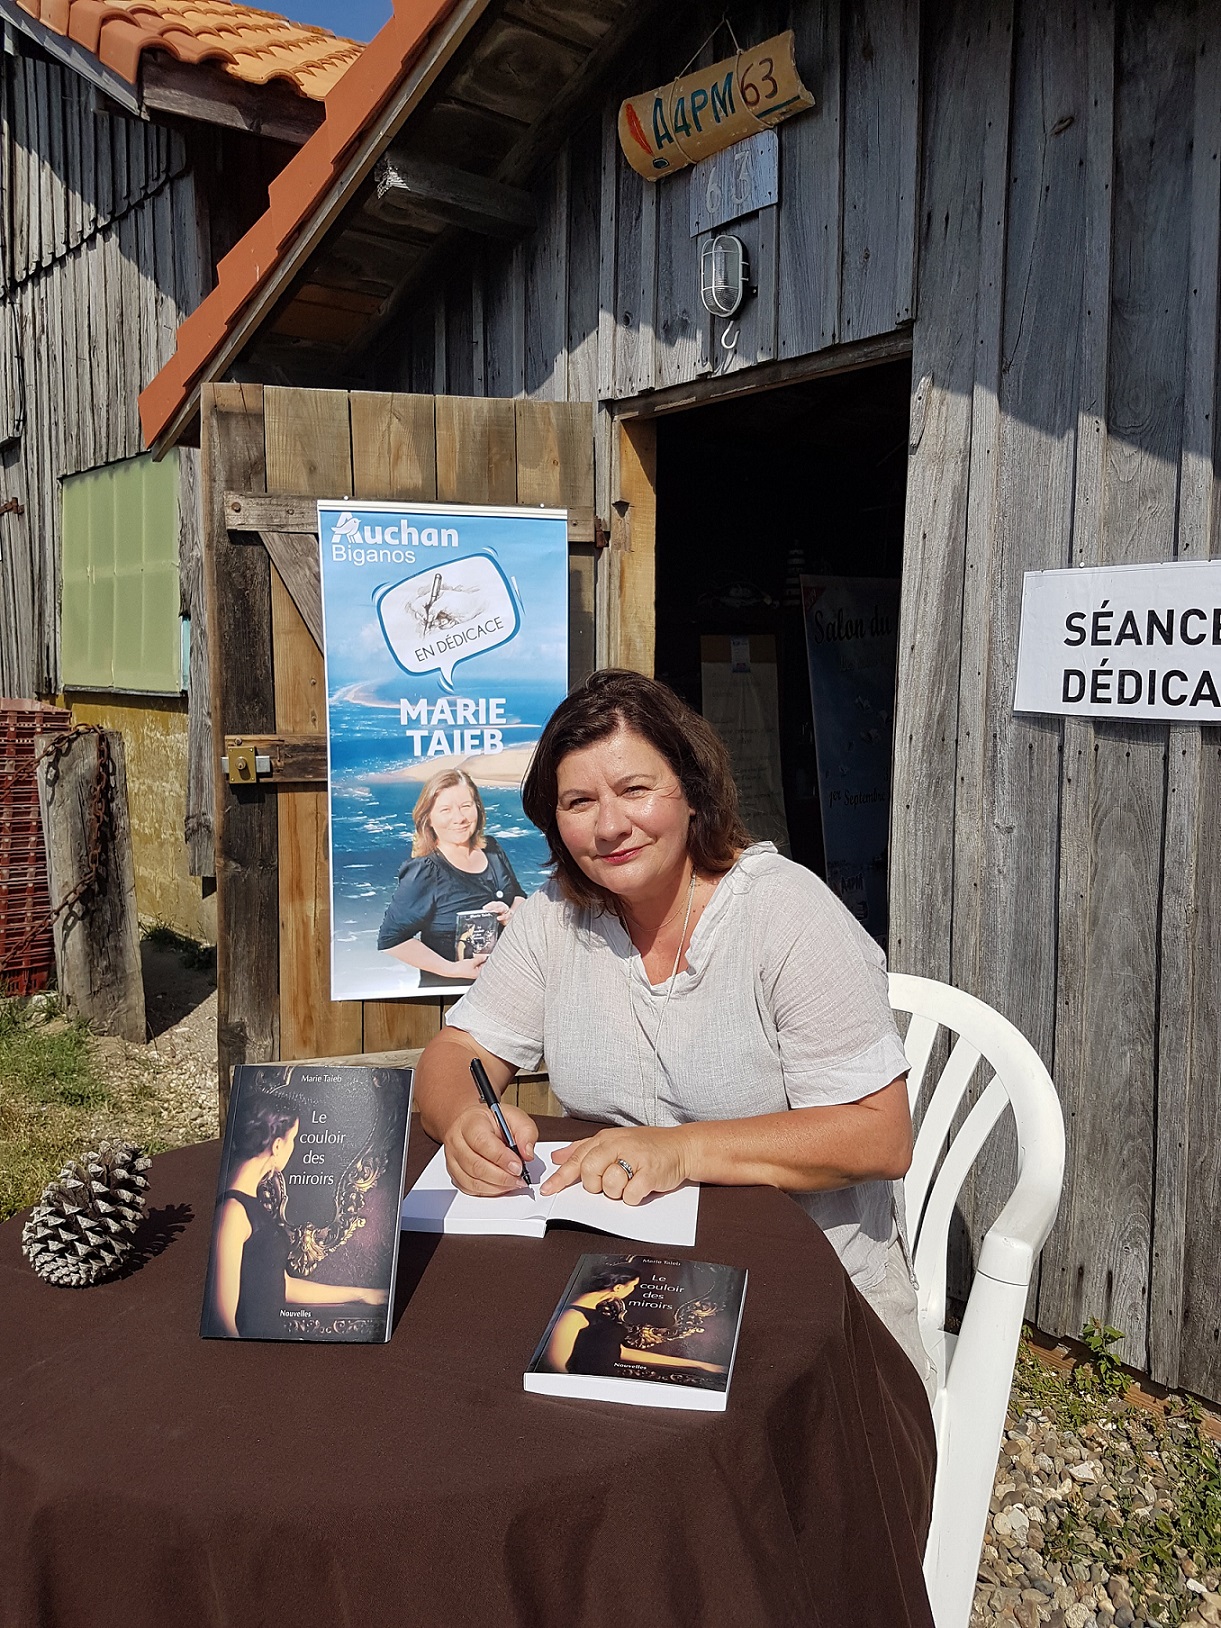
{"x":1013,"y":1241}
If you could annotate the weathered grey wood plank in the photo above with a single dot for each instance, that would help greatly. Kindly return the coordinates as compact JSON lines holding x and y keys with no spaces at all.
{"x":545,"y":271}
{"x":811,"y":182}
{"x":968,"y":51}
{"x":635,"y":282}
{"x":1088,"y":547}
{"x":880,"y":112}
{"x":57,"y":162}
{"x":459,"y":341}
{"x":608,"y":243}
{"x":584,"y":213}
{"x":1102,"y":1254}
{"x":501,"y":305}
{"x":1184,"y":1306}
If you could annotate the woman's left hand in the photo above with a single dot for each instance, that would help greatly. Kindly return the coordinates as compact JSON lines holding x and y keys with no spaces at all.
{"x":499,"y":909}
{"x":656,"y":1155}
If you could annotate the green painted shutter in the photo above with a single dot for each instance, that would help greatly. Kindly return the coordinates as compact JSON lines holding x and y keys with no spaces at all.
{"x":120,"y":611}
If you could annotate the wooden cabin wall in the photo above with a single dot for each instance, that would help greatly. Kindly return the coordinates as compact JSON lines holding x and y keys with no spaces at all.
{"x":602,"y":300}
{"x":99,"y":264}
{"x":1053,"y":170}
{"x":1065,"y":396}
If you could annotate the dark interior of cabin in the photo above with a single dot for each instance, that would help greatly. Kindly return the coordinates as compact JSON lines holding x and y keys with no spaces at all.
{"x":754,"y":493}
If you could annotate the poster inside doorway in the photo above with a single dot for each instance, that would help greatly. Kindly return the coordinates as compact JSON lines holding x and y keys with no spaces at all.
{"x":446,"y":648}
{"x":738,"y":674}
{"x":852,"y":628}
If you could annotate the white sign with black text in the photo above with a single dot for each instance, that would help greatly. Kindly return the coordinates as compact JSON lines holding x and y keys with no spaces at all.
{"x":1122,"y":641}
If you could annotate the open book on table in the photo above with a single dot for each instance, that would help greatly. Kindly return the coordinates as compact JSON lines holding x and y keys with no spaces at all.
{"x":434,"y":1204}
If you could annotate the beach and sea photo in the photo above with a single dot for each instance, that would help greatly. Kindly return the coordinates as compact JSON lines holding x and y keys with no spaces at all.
{"x":446,"y":649}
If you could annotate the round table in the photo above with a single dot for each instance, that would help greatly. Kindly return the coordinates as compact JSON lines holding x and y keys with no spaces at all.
{"x":150,"y":1478}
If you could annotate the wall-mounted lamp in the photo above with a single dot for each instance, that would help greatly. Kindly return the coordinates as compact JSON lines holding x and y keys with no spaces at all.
{"x":724,"y":274}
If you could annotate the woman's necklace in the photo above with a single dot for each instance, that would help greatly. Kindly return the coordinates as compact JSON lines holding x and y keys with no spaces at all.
{"x":678,"y":955}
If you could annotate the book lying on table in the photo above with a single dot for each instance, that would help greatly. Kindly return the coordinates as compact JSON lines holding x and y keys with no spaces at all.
{"x":630,"y":1328}
{"x":305,"y":1238}
{"x":434,"y":1204}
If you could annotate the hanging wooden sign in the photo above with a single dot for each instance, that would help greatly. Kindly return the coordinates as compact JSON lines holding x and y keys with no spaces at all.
{"x":704,"y":112}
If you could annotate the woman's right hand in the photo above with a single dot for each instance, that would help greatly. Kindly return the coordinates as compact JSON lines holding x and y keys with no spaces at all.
{"x":467,"y":969}
{"x":476,"y":1157}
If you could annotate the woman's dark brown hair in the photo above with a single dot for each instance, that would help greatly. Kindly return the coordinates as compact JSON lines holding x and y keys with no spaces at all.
{"x":612,"y":699}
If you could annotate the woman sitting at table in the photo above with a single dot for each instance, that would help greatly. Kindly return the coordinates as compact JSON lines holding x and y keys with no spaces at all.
{"x":454,"y":867}
{"x":250,"y":1284}
{"x":712,"y":1000}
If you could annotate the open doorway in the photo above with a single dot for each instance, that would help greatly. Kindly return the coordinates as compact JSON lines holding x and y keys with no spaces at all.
{"x":753,"y":496}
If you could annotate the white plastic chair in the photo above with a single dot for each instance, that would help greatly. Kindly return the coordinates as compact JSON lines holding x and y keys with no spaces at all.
{"x":974,"y":1368}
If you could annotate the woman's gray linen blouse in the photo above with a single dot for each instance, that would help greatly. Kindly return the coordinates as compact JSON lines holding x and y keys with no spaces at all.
{"x":783,"y":1004}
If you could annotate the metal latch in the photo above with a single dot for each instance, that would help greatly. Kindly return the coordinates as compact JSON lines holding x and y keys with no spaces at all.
{"x":244,"y":765}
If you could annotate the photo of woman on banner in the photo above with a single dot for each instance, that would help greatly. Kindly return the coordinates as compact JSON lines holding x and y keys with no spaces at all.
{"x":456,"y":891}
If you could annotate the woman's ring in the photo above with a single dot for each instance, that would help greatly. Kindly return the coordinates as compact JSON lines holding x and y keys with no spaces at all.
{"x":623,"y":1165}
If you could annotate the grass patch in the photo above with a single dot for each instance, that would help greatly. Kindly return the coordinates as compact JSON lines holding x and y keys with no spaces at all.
{"x":50,"y":1093}
{"x":1154,"y":1543}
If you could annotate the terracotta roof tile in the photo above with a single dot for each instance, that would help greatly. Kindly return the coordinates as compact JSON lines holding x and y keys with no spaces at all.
{"x":254,"y":46}
{"x":293,"y":195}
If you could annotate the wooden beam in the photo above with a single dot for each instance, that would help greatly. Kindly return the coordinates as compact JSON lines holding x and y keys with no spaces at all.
{"x":258,"y":511}
{"x":406,"y":186}
{"x":890,"y":347}
{"x":295,"y":759}
{"x":631,"y":587}
{"x":295,"y":515}
{"x":209,"y":96}
{"x":301,"y":571}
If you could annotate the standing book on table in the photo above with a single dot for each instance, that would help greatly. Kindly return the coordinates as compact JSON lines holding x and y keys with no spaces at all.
{"x":305,"y":1235}
{"x":637,"y":1329}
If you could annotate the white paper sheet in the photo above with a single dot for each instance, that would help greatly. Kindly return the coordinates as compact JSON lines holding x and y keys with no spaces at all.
{"x":434,"y":1204}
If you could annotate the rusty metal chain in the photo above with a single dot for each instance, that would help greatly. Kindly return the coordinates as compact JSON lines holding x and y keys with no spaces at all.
{"x":98,"y":812}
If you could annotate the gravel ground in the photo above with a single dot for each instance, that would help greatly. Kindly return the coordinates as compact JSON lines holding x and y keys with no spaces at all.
{"x":1104,"y":1515}
{"x":165,"y":1090}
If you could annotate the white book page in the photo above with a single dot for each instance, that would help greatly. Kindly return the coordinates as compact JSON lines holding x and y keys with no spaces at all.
{"x":434,"y":1204}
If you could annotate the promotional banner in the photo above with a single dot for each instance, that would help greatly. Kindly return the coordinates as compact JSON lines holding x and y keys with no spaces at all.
{"x":446,"y":646}
{"x":1122,"y":641}
{"x":852,"y":626}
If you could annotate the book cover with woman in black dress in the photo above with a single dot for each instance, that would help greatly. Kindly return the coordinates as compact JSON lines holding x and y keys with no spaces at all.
{"x":305,"y":1234}
{"x":632,"y":1328}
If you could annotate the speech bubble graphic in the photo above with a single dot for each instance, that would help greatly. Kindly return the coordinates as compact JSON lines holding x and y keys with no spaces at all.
{"x":447,"y":613}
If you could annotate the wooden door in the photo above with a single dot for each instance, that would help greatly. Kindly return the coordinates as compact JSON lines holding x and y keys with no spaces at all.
{"x":268,"y":454}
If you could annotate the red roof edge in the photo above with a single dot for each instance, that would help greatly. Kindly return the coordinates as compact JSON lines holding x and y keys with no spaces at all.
{"x":292,"y":198}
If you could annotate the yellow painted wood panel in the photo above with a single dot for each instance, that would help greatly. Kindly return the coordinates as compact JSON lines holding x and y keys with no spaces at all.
{"x":394,"y":447}
{"x":632,"y":610}
{"x":476,"y":450}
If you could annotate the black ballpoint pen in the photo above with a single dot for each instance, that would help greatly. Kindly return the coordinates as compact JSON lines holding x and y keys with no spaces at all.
{"x":484,"y":1087}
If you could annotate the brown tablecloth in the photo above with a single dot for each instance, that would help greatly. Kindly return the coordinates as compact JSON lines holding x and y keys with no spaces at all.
{"x":151,"y":1479}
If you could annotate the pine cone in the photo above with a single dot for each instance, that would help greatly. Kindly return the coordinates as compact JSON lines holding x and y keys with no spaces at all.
{"x":84,"y":1227}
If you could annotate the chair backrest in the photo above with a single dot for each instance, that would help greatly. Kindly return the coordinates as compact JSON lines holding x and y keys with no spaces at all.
{"x":974,"y":1368}
{"x":1017,"y":1080}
